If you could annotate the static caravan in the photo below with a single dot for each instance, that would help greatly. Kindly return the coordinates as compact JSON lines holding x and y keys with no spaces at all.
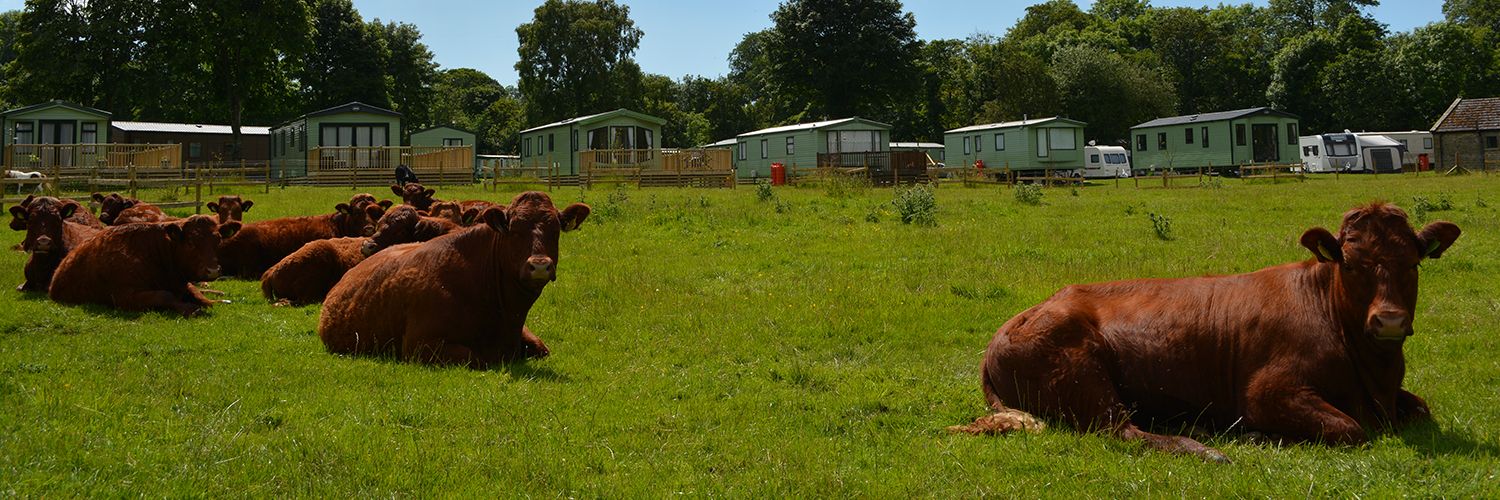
{"x":934,"y":151}
{"x":353,"y":136}
{"x":1103,"y":162}
{"x":801,"y":145}
{"x":53,"y":134}
{"x":1379,"y":154}
{"x":1220,"y":139}
{"x":1040,"y":144}
{"x":617,"y":138}
{"x":200,"y":142}
{"x":1416,"y":143}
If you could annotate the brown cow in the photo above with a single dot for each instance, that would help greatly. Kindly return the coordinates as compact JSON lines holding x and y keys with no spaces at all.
{"x":142,"y":213}
{"x":230,"y":207}
{"x":111,"y":205}
{"x":50,"y":236}
{"x":415,"y":195}
{"x":461,"y":298}
{"x":446,"y":210}
{"x":404,"y":224}
{"x":262,"y":244}
{"x":362,"y":199}
{"x":81,"y":215}
{"x":144,"y":266}
{"x":1310,"y":351}
{"x":305,"y":276}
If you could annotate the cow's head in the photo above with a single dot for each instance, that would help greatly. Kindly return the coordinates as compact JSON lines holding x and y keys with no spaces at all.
{"x":415,"y":195}
{"x":42,"y":218}
{"x":230,"y":208}
{"x":110,"y":206}
{"x":528,"y":231}
{"x":349,"y":221}
{"x":195,"y":243}
{"x":1377,"y":254}
{"x":447,"y":210}
{"x":359,"y":201}
{"x":395,"y":227}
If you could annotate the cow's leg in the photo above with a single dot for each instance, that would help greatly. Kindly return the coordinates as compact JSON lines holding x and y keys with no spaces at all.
{"x":1091,"y":393}
{"x":195,"y":295}
{"x":153,"y":299}
{"x":1410,"y":408}
{"x":531,"y":345}
{"x":1300,"y":414}
{"x":435,"y":351}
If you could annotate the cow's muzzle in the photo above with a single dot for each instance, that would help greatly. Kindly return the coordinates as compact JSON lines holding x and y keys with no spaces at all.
{"x":210,"y":274}
{"x":540,"y":269}
{"x":1389,"y":325}
{"x":369,"y":248}
{"x":42,"y":244}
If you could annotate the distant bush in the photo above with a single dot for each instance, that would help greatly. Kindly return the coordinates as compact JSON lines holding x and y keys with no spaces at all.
{"x":844,"y":186}
{"x":782,"y":206}
{"x":1030,"y":194}
{"x":917,"y":205}
{"x":1421,"y":206}
{"x":763,"y":191}
{"x":1075,"y":192}
{"x":1162,"y":225}
{"x":873,"y":216}
{"x":1211,"y":183}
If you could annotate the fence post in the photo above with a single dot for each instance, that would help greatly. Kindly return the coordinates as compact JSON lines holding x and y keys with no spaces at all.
{"x":198,"y":185}
{"x":267,"y":179}
{"x":130,"y":179}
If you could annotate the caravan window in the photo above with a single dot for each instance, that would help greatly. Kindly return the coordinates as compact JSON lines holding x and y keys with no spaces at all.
{"x":526,"y":147}
{"x":791,"y":145}
{"x":1426,"y":143}
{"x":1114,"y":158}
{"x":1161,"y":141}
{"x":853,"y":141}
{"x":765,"y":149}
{"x":1205,"y":137}
{"x":742,"y":151}
{"x":1341,"y":148}
{"x":966,"y":145}
{"x":24,"y":133}
{"x":1093,"y":158}
{"x":1000,"y":142}
{"x":1291,"y":134}
{"x":978,"y":143}
{"x":1187,"y":135}
{"x":1140,"y":142}
{"x":1239,"y":134}
{"x":1062,"y":138}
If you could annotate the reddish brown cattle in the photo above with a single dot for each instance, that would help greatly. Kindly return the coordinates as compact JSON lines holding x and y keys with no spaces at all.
{"x":360,"y":200}
{"x":50,"y":236}
{"x":1309,"y":351}
{"x":461,"y":298}
{"x":446,"y":210}
{"x":81,"y":215}
{"x":230,"y":207}
{"x":262,"y":244}
{"x":144,"y":266}
{"x":142,"y":213}
{"x":305,"y":276}
{"x":415,"y":195}
{"x":404,"y":224}
{"x":111,"y":205}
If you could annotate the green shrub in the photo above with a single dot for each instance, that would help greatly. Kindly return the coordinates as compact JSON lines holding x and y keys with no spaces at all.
{"x":1029,"y":194}
{"x":1421,"y":206}
{"x":782,"y":206}
{"x":1162,"y":225}
{"x":763,"y":191}
{"x":917,"y":205}
{"x":1211,"y":183}
{"x":844,"y":186}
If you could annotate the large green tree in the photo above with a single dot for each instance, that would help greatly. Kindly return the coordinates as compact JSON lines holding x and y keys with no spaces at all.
{"x":410,"y":73}
{"x":845,"y":57}
{"x":347,"y":61}
{"x":573,"y":54}
{"x":1108,"y":91}
{"x":10,"y":24}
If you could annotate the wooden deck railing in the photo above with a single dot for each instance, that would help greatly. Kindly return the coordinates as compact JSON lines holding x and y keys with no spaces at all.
{"x":882,"y":167}
{"x":44,"y":157}
{"x":419,"y":158}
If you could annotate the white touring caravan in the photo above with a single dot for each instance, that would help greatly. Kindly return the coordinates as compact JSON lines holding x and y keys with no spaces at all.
{"x":1324,"y":153}
{"x":1105,"y":162}
{"x":1416,"y":142}
{"x":1349,"y":152}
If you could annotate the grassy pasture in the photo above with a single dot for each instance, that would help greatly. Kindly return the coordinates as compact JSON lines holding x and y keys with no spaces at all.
{"x":706,"y":343}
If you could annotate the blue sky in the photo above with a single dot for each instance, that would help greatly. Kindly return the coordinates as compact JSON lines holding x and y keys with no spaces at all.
{"x":695,"y":36}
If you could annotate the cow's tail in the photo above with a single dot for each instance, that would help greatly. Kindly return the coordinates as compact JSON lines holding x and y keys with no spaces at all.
{"x":1003,"y":421}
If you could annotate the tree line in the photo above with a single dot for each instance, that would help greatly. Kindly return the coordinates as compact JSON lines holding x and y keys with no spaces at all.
{"x":1114,"y":64}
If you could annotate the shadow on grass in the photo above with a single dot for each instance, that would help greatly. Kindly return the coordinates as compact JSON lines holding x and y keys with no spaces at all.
{"x":521,"y":369}
{"x":1429,"y":438}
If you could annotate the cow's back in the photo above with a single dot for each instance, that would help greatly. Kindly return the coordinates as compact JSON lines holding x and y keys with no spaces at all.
{"x":116,"y":259}
{"x":260,"y":245}
{"x":308,"y":274}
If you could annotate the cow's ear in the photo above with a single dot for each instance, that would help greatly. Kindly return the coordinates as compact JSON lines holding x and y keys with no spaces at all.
{"x":174,"y":231}
{"x":496,"y":218}
{"x":374,"y":212}
{"x":212,"y":206}
{"x":67,"y":210}
{"x":245,"y":207}
{"x":127,"y":204}
{"x":386,"y":204}
{"x":343,"y":208}
{"x":573,"y":216}
{"x":1437,"y":237}
{"x":396,"y":189}
{"x":98,"y":197}
{"x":1323,"y":245}
{"x":429,"y":192}
{"x":230,"y":228}
{"x":469,"y":216}
{"x":19,"y":212}
{"x":28,"y":199}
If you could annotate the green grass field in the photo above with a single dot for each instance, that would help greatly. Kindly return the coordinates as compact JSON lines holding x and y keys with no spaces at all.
{"x":707,"y":343}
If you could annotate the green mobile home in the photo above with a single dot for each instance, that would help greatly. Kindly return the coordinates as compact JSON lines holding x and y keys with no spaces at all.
{"x":442,"y":136}
{"x":800,"y":145}
{"x":1041,"y":144}
{"x":621,"y":137}
{"x":1225,"y":138}
{"x":351,"y":136}
{"x":60,"y":126}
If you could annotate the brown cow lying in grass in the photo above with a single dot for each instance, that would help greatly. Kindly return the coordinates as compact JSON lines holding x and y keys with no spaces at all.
{"x":230,"y":207}
{"x":461,"y":298}
{"x":416,"y":195}
{"x":50,"y":235}
{"x":81,"y":215}
{"x":144,"y":266}
{"x":305,"y":276}
{"x":1309,"y":351}
{"x":115,"y":210}
{"x":262,"y":244}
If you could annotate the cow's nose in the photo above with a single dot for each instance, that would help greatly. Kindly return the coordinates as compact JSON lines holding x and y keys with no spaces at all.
{"x":1391,"y":320}
{"x":211,"y":274}
{"x":43,"y":242}
{"x":368,"y":248}
{"x":541,"y":267}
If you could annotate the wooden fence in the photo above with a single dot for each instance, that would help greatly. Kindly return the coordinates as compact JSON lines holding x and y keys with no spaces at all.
{"x":44,"y":157}
{"x":197,"y":180}
{"x":883,"y":168}
{"x":358,"y":165}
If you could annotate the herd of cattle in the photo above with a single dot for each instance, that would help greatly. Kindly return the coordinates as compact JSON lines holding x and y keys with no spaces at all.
{"x":1305,"y":351}
{"x":430,"y":281}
